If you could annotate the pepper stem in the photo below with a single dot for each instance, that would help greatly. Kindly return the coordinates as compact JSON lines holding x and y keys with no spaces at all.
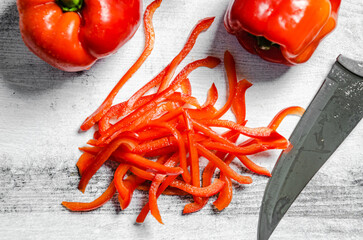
{"x":263,"y":43}
{"x":70,"y":5}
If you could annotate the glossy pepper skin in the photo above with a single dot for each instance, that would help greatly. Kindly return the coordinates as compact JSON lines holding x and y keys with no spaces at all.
{"x":73,"y":38}
{"x":281,"y":31}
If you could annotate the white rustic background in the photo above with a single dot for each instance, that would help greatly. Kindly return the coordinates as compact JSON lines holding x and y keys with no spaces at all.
{"x":41,"y":109}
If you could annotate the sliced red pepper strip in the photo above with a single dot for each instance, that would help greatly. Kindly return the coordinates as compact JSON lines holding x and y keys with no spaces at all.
{"x":120,"y":110}
{"x":142,"y":173}
{"x":91,"y":150}
{"x":225,"y":195}
{"x":253,"y":167}
{"x":260,"y":132}
{"x":210,"y":133}
{"x":223,"y":166}
{"x":205,"y":192}
{"x":239,"y":103}
{"x":182,"y":151}
{"x":102,"y":157}
{"x":148,"y":118}
{"x":161,"y":151}
{"x":212,"y":96}
{"x":145,"y":163}
{"x":193,"y":153}
{"x":207,"y":178}
{"x":132,"y":182}
{"x":84,"y":161}
{"x":105,"y":197}
{"x":177,"y":96}
{"x":203,"y":113}
{"x":283,"y":113}
{"x":153,"y":83}
{"x":186,"y":87}
{"x":149,"y":45}
{"x":119,"y":127}
{"x":145,"y":210}
{"x":278,"y":142}
{"x":171,"y":162}
{"x":118,"y":180}
{"x":230,"y":67}
{"x":245,"y":150}
{"x":208,"y":191}
{"x":201,"y":26}
{"x":154,"y":145}
{"x":171,"y":191}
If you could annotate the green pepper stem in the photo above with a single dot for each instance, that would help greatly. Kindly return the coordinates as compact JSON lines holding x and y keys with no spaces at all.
{"x":70,"y":5}
{"x":263,"y":43}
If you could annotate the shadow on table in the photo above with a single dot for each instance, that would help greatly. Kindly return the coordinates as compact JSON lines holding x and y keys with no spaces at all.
{"x":250,"y":66}
{"x":20,"y":69}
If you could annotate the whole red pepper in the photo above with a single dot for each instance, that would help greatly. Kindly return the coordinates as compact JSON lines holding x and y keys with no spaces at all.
{"x":71,"y":34}
{"x":282,"y":31}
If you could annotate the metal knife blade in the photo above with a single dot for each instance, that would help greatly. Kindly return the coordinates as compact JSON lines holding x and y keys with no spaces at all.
{"x":333,"y":113}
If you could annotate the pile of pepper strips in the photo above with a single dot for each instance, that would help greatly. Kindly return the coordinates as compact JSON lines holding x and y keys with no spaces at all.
{"x":158,"y":138}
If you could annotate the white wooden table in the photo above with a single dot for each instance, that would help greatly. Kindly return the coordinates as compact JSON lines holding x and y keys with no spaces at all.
{"x":41,"y":109}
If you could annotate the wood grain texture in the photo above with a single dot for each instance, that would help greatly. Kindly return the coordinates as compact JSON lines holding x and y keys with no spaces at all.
{"x":41,"y":109}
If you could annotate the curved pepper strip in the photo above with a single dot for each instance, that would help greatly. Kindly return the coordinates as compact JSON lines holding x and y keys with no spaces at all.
{"x":207,"y":178}
{"x":239,"y":103}
{"x":149,"y":45}
{"x":222,"y":166}
{"x":193,"y":156}
{"x":182,"y":151}
{"x":204,"y":192}
{"x":201,"y":26}
{"x":101,"y":158}
{"x":186,"y":87}
{"x":203,"y":113}
{"x":145,"y":163}
{"x":286,"y":31}
{"x":118,"y":180}
{"x":91,"y":150}
{"x":259,"y":132}
{"x":295,"y":110}
{"x":177,"y":96}
{"x":171,"y":162}
{"x":230,"y":66}
{"x":147,"y":87}
{"x":118,"y":111}
{"x":161,"y":151}
{"x":73,"y":38}
{"x":132,"y":182}
{"x":212,"y":96}
{"x":80,"y":207}
{"x":245,"y":150}
{"x":84,"y":161}
{"x":171,"y":191}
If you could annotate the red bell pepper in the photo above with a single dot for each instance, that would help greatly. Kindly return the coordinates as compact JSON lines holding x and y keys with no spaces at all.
{"x":71,"y":34}
{"x":284,"y":31}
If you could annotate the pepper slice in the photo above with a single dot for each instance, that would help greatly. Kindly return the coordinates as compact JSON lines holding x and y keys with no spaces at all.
{"x":81,"y":207}
{"x":201,"y":26}
{"x":149,"y":45}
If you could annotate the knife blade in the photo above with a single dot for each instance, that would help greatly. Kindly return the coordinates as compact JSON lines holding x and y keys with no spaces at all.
{"x":333,"y":113}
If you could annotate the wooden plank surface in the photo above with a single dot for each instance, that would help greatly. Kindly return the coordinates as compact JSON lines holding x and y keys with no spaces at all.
{"x":41,"y":109}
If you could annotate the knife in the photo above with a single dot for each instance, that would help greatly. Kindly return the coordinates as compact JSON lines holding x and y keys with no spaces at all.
{"x":333,"y":113}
